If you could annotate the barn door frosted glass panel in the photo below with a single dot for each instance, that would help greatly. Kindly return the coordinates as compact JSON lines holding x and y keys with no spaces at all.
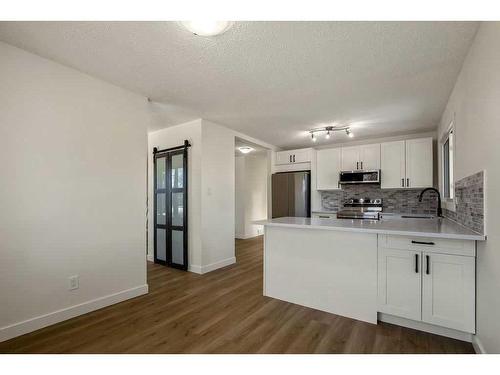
{"x":177,"y":247}
{"x":161,"y":245}
{"x":160,"y":209}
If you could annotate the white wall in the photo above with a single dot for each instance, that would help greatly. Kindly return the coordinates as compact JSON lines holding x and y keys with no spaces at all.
{"x":72,"y":192}
{"x":474,"y":106}
{"x":217,"y":204}
{"x":251,"y":194}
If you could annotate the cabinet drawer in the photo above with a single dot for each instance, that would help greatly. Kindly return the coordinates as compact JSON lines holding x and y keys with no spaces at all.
{"x":432,"y":245}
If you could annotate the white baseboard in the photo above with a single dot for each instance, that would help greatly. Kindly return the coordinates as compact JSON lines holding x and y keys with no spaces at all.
{"x":194,"y":268}
{"x":212,"y":266}
{"x":478,"y":345}
{"x":217,"y":265}
{"x":30,"y":325}
{"x":426,"y":327}
{"x":247,"y":236}
{"x":150,"y":258}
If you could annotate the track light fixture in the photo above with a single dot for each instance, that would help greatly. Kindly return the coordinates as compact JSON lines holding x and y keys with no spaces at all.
{"x":329,"y":130}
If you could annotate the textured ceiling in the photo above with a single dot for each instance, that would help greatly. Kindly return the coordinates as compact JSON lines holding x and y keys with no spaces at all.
{"x":270,"y":80}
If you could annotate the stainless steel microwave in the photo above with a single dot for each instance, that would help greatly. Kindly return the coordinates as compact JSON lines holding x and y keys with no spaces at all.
{"x":360,"y":177}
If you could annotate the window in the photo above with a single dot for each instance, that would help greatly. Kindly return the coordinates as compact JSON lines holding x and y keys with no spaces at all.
{"x":448,"y":150}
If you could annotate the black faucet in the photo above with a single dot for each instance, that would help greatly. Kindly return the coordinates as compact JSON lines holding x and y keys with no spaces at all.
{"x":439,"y":210}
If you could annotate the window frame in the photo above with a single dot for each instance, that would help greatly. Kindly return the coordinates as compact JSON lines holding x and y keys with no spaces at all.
{"x":448,"y":140}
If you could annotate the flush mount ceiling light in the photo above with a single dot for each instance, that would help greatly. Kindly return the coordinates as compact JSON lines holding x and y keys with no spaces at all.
{"x":207,"y":28}
{"x":328,"y":130}
{"x":245,"y":149}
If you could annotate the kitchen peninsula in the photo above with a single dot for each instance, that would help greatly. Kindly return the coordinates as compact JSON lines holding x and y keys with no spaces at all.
{"x":414,"y":272}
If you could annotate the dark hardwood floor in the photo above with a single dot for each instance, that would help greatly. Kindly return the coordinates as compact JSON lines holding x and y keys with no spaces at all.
{"x":222,"y":312}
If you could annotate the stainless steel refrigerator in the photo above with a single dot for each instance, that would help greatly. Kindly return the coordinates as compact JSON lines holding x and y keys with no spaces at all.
{"x":291,"y":194}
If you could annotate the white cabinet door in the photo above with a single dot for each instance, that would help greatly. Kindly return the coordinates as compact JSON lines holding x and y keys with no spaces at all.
{"x":283,"y":157}
{"x":350,"y":158}
{"x":399,"y":283}
{"x":301,"y":156}
{"x":293,"y":156}
{"x":328,"y":169}
{"x":419,"y":163}
{"x":370,"y":156}
{"x":392,"y":164}
{"x":449,"y":291}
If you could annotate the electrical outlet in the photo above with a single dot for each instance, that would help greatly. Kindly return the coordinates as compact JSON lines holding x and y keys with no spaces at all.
{"x":74,"y":282}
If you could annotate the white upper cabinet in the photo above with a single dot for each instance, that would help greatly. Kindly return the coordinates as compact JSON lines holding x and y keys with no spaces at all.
{"x":406,"y":164}
{"x":350,"y":158}
{"x":361,"y":157}
{"x":448,"y":291}
{"x":370,"y":156}
{"x":293,"y":156}
{"x":328,"y":169}
{"x":283,"y":157}
{"x":302,"y":156}
{"x":419,"y":163}
{"x":392,"y":164}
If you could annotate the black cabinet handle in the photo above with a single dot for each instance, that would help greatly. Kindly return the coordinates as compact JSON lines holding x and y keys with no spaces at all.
{"x":407,"y":182}
{"x":427,"y":270}
{"x":423,"y":243}
{"x":416,"y":263}
{"x":403,"y":182}
{"x":361,"y":165}
{"x":357,"y":165}
{"x":294,"y":158}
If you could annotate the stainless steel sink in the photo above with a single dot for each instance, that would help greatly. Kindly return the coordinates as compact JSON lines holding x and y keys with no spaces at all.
{"x":418,"y":216}
{"x":390,"y":216}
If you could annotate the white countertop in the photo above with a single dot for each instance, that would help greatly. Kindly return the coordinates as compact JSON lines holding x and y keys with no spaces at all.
{"x":436,"y":228}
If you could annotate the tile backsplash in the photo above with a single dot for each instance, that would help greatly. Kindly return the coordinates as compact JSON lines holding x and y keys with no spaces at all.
{"x":394,"y":200}
{"x":469,"y":202}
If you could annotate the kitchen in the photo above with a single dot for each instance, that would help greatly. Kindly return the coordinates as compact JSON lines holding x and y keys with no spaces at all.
{"x":374,"y":212}
{"x":275,"y":187}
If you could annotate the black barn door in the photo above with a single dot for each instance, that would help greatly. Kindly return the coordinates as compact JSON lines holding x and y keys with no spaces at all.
{"x":170,"y":202}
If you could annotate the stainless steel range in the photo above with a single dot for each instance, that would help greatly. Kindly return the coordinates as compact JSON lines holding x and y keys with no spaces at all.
{"x":361,"y":208}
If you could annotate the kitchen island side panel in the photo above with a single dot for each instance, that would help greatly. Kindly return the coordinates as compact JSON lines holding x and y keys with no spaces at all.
{"x":332,"y":271}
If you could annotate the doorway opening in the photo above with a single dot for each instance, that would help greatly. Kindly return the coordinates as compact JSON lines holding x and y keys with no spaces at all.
{"x":252,"y":174}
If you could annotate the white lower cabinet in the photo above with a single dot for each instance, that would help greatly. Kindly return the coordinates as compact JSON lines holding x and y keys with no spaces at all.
{"x":448,"y":291}
{"x":399,"y":283}
{"x":427,"y":285}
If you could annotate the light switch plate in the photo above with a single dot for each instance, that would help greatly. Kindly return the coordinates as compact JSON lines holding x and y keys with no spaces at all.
{"x":74,"y":282}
